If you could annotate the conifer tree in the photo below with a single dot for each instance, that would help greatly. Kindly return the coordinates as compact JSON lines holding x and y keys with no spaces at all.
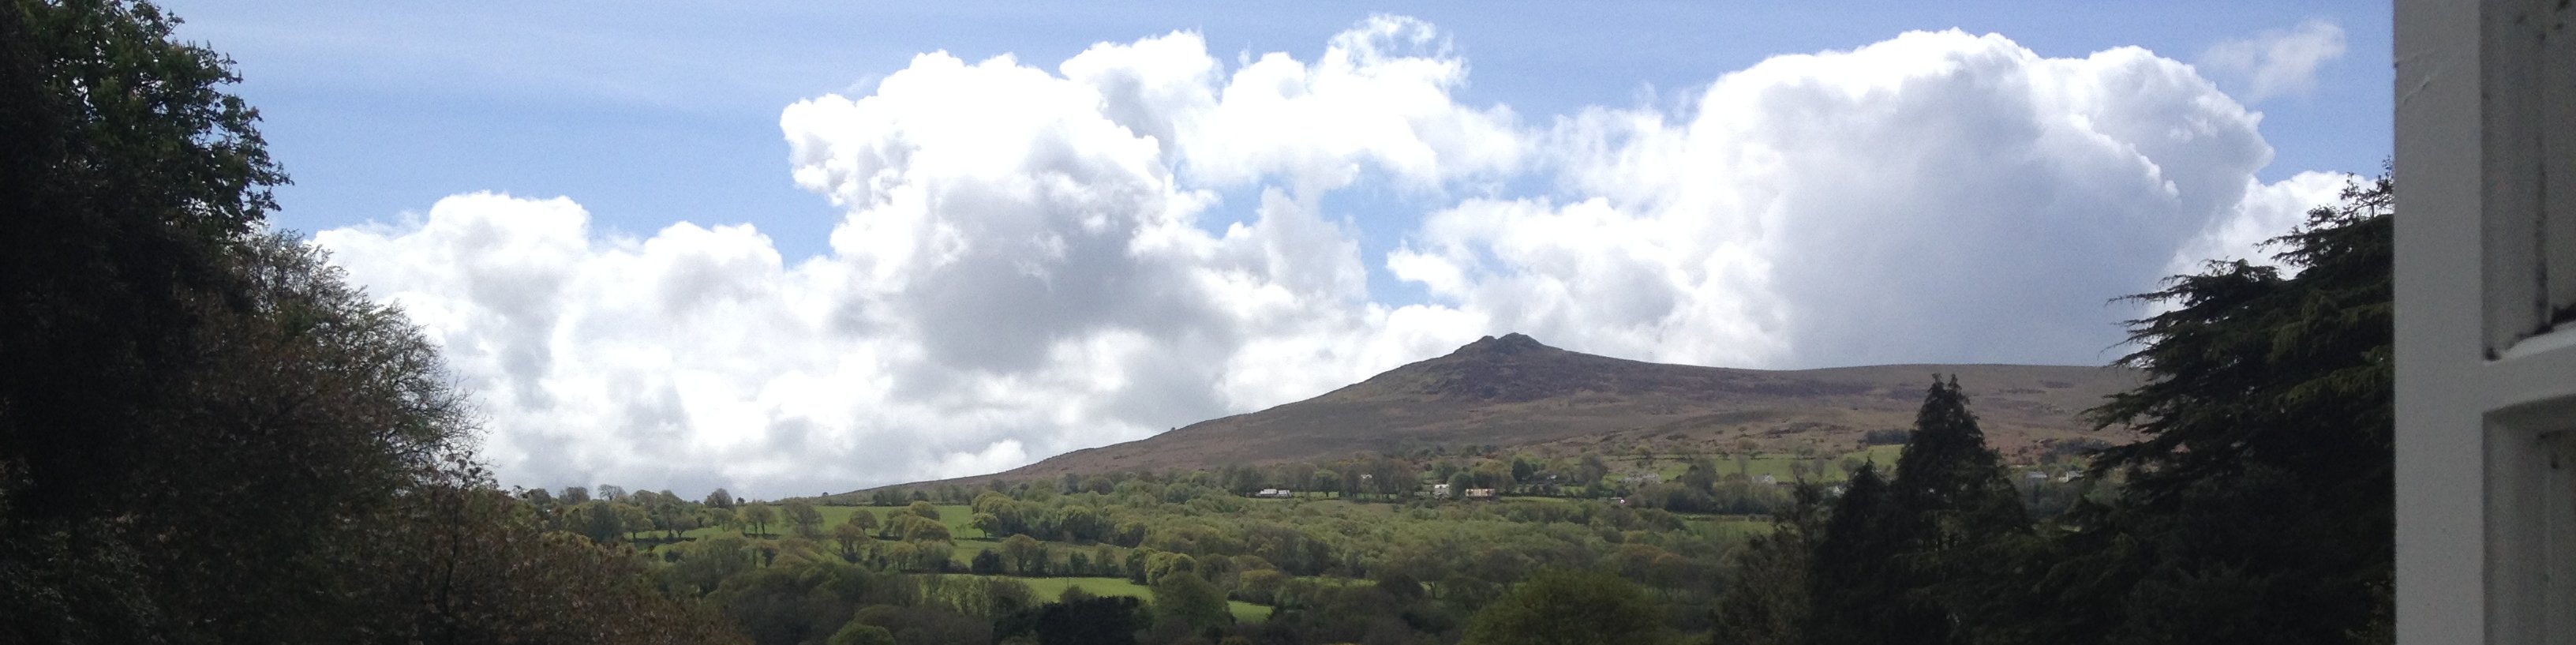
{"x":1947,"y":479}
{"x":2259,"y":507}
{"x":1893,"y":549}
{"x":1855,"y":590}
{"x":1768,"y":600}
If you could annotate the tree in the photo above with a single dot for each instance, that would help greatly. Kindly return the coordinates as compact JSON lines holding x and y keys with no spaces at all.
{"x":1188,"y":600}
{"x":206,"y":434}
{"x":1769,"y":602}
{"x":132,"y":178}
{"x":850,"y":537}
{"x":1702,"y":476}
{"x":914,"y":528}
{"x":1027,"y":557}
{"x":808,"y":522}
{"x":858,"y":633}
{"x":1590,"y":471}
{"x":2259,"y":506}
{"x":575,"y":495}
{"x":1948,"y":479}
{"x":862,"y":519}
{"x":1561,"y":607}
{"x":986,"y":563}
{"x":600,"y":522}
{"x":924,"y":510}
{"x":1090,"y":620}
{"x":759,"y":516}
{"x":719,"y":499}
{"x":1855,"y":587}
{"x":1261,"y":585}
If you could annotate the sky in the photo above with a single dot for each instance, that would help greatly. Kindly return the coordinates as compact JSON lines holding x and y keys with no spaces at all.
{"x":789,"y":249}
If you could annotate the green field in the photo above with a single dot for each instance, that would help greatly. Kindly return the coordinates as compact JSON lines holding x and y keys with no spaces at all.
{"x":1048,"y":589}
{"x":1776,"y":465}
{"x":956,"y":516}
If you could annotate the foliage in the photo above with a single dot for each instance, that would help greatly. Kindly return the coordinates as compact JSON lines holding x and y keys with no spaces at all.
{"x":1090,"y":621}
{"x":2257,"y":509}
{"x":858,"y":633}
{"x":1768,"y":603}
{"x":206,"y":435}
{"x":1189,"y":600}
{"x":1568,"y":608}
{"x":808,"y":522}
{"x":2260,"y":503}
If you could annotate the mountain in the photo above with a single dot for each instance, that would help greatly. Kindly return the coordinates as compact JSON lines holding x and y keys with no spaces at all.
{"x":1515,"y":392}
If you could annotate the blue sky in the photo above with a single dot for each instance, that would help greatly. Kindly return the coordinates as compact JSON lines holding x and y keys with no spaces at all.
{"x":1577,"y":171}
{"x":381,"y":109}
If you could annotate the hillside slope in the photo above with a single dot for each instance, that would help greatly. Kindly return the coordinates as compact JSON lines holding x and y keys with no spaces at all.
{"x":1513,"y":391}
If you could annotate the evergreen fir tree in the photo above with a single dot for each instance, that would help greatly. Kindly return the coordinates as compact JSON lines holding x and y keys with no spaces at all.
{"x":1767,"y":602}
{"x":1858,"y":591}
{"x":2259,"y":507}
{"x":1950,"y":484}
{"x":1933,"y":528}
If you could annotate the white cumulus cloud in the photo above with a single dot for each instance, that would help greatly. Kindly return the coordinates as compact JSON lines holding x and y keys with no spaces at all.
{"x":1934,"y":197}
{"x":1028,"y":262}
{"x":2277,"y":63}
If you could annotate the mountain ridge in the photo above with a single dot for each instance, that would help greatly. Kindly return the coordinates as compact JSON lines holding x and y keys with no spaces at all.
{"x":1513,"y":391}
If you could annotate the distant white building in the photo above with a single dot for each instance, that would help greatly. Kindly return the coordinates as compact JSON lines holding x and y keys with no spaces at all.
{"x":1440,"y":491}
{"x":1275,"y":493}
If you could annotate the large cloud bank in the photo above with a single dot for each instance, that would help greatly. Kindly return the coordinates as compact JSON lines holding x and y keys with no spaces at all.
{"x":1032,"y":261}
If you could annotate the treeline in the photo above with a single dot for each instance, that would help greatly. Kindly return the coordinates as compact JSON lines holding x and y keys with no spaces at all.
{"x":1705,"y":486}
{"x":2257,"y":510}
{"x":1327,"y":571}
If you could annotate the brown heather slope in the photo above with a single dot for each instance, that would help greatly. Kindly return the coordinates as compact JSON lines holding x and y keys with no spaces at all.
{"x":1517,"y":393}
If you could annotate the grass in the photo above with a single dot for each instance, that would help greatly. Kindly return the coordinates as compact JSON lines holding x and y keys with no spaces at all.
{"x":1776,"y":465}
{"x":1049,"y":589}
{"x":955,"y":516}
{"x":1742,"y":527}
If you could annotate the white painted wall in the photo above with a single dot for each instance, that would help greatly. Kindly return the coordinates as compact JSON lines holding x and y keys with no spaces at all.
{"x":2486,"y":390}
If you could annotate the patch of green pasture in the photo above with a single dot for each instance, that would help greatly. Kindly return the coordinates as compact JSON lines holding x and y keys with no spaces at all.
{"x":1049,"y":589}
{"x":1740,"y":528}
{"x":1248,"y":613}
{"x":963,"y":552}
{"x":958,"y":517}
{"x":1778,"y":466}
{"x":1885,"y":456}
